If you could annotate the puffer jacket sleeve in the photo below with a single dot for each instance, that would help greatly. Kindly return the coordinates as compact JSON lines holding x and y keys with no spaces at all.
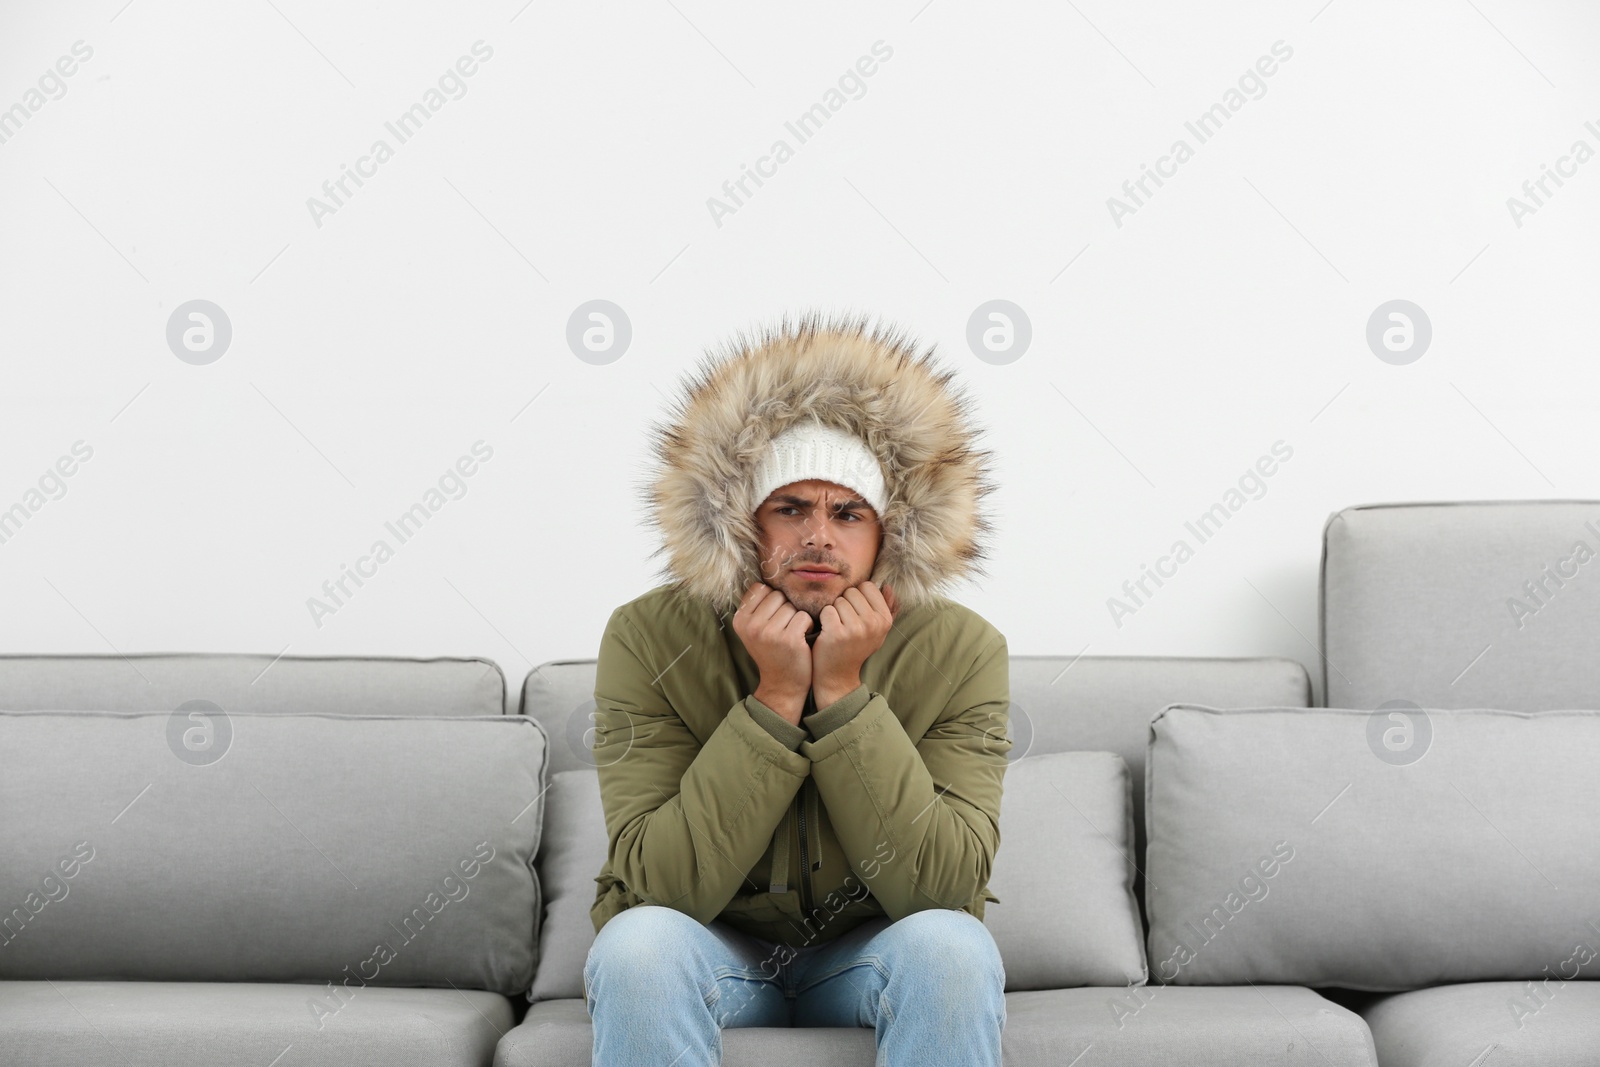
{"x":685,"y":821}
{"x":920,"y":822}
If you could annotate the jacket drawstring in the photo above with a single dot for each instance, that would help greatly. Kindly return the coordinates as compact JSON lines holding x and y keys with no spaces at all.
{"x":780,"y":855}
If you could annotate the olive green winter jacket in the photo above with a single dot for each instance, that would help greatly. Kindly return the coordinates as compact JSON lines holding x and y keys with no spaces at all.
{"x":885,"y":802}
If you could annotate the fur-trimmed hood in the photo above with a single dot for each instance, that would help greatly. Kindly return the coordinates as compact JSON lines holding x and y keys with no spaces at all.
{"x":872,"y":384}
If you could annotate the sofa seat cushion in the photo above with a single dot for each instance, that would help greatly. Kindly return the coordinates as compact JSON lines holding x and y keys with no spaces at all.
{"x":157,"y":1024}
{"x":1550,"y":1023}
{"x":1210,"y":1026}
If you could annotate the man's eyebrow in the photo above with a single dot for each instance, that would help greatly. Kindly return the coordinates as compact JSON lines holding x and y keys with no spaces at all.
{"x":802,"y":502}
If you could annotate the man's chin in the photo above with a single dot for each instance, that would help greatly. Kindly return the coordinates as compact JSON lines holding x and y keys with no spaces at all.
{"x":807,"y":600}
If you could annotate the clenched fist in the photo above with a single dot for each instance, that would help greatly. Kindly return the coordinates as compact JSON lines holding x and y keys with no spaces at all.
{"x":774,"y":633}
{"x":853,"y":627}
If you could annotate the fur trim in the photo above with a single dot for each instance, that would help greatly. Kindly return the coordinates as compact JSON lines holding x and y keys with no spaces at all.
{"x":870,"y":384}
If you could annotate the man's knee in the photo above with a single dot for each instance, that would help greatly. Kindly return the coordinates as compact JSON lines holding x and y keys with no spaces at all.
{"x":646,"y":939}
{"x":952,"y":942}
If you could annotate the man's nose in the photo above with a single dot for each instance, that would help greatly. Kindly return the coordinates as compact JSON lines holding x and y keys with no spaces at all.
{"x":819,"y":528}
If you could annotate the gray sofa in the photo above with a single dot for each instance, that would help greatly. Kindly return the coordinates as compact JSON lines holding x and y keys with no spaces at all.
{"x":301,"y":861}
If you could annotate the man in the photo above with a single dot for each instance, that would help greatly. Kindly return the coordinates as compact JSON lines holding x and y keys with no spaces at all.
{"x":800,"y":741}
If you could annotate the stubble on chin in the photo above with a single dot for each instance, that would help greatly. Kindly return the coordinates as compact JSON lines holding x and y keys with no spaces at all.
{"x":809,"y":602}
{"x":805,"y":600}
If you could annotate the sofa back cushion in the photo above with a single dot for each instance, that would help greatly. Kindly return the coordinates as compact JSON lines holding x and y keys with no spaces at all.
{"x":242,"y":682}
{"x":1066,"y":914}
{"x":269,"y":847}
{"x":1372,"y":850}
{"x":1058,"y":704}
{"x":571,"y":852}
{"x":1478,"y":604}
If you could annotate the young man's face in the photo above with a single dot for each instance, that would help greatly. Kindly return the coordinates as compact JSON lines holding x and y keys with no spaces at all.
{"x":822,"y":525}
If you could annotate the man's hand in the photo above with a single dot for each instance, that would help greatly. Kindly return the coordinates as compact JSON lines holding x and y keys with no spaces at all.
{"x":853,"y":628}
{"x":774,"y":633}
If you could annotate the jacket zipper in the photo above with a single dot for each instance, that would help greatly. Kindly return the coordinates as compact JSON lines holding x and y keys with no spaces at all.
{"x":800,"y":808}
{"x":805,"y":859}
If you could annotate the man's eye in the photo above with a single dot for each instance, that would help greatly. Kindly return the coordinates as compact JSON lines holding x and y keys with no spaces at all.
{"x":841,"y":514}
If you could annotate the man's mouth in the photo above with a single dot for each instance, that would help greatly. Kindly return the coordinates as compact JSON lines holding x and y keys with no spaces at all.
{"x":815,"y":575}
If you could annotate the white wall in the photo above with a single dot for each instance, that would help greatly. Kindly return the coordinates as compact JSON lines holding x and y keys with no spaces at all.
{"x":373,"y":345}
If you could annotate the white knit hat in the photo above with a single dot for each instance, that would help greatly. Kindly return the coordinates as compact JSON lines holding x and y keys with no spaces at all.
{"x":810,"y":450}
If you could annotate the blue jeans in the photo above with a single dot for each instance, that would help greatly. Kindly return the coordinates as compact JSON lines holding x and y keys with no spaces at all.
{"x":660,"y":988}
